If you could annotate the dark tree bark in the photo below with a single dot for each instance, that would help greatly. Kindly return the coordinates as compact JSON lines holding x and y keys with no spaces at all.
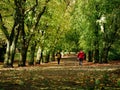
{"x":96,"y":56}
{"x":32,"y":53}
{"x":53,"y":56}
{"x":96,"y":45}
{"x":90,"y":56}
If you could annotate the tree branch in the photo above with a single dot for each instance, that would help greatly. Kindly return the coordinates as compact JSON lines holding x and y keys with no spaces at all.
{"x":40,"y":14}
{"x":32,"y":8}
{"x":3,"y":28}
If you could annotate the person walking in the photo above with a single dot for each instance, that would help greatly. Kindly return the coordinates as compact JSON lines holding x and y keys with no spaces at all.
{"x":58,"y":55}
{"x":80,"y":57}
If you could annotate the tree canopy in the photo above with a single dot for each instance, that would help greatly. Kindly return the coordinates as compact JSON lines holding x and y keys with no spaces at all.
{"x":44,"y":26}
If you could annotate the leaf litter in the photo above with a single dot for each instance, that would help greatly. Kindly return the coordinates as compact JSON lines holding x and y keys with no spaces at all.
{"x":66,"y":76}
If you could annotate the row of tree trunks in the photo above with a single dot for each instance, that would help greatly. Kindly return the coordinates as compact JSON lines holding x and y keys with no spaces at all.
{"x":103,"y":57}
{"x":34,"y":44}
{"x":95,"y":55}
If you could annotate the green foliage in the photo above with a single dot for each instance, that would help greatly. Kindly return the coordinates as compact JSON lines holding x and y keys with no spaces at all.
{"x":81,"y":24}
{"x":118,"y":82}
{"x":97,"y":81}
{"x":114,"y":53}
{"x":85,"y":20}
{"x":7,"y":12}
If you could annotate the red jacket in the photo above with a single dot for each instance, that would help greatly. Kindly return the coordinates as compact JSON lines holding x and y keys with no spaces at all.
{"x":81,"y":55}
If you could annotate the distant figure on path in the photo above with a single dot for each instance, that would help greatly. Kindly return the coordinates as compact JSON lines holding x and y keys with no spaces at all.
{"x":58,"y":55}
{"x":80,"y":57}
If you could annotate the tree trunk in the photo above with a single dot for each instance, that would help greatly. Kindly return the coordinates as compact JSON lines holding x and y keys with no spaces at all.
{"x":47,"y":59}
{"x":38,"y":56}
{"x":2,"y":51}
{"x":96,"y":56}
{"x":105,"y":55}
{"x":7,"y":60}
{"x":32,"y":54}
{"x":41,"y":57}
{"x":10,"y":53}
{"x":21,"y":14}
{"x":96,"y":44}
{"x":23,"y":55}
{"x":23,"y":51}
{"x":90,"y":55}
{"x":53,"y":56}
{"x":11,"y":46}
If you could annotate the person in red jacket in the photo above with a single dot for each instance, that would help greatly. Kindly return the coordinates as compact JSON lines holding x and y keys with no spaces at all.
{"x":80,"y":57}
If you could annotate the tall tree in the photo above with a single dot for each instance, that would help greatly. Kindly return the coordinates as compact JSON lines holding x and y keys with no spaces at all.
{"x":55,"y":24}
{"x":97,"y":39}
{"x":12,"y":38}
{"x":38,"y":14}
{"x":109,"y":23}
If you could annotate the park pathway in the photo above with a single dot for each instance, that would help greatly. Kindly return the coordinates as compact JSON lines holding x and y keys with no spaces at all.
{"x":70,"y":62}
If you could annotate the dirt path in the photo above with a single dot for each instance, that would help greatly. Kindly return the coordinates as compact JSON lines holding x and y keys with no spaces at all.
{"x":66,"y":76}
{"x":70,"y":62}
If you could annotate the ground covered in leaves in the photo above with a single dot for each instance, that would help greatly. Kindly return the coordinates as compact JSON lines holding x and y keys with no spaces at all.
{"x":66,"y":76}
